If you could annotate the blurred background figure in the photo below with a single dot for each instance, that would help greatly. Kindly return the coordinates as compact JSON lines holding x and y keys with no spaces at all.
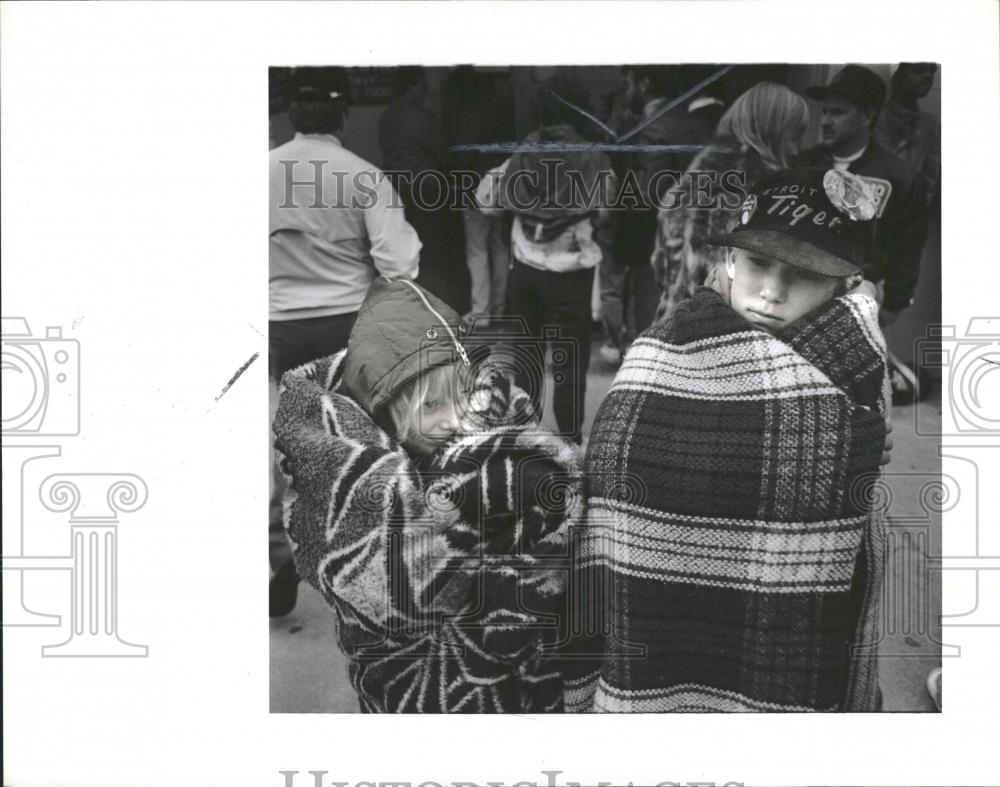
{"x":474,"y":119}
{"x":908,"y":132}
{"x":628,"y":292}
{"x":759,"y":133}
{"x":413,"y":154}
{"x":553,"y":243}
{"x":851,"y":103}
{"x":322,"y":259}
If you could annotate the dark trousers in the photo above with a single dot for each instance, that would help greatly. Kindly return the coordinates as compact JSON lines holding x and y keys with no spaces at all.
{"x":643,"y":292}
{"x":629,"y":292}
{"x":292,"y":343}
{"x":556,"y":310}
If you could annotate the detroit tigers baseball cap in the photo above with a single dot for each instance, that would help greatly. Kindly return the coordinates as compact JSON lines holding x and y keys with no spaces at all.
{"x":819,"y":220}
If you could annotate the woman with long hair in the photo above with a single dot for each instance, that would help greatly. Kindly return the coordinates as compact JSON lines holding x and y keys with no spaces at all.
{"x":760,"y":132}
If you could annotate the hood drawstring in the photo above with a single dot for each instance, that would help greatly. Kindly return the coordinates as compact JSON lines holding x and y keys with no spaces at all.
{"x":458,"y":347}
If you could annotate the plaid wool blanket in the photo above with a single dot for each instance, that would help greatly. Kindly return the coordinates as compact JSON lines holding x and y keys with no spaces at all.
{"x":439,"y":573}
{"x":743,"y":562}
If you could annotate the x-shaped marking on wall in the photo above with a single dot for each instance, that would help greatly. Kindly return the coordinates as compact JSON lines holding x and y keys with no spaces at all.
{"x":619,"y":143}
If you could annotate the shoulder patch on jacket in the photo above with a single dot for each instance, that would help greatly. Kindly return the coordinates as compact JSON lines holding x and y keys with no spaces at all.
{"x":882,"y":190}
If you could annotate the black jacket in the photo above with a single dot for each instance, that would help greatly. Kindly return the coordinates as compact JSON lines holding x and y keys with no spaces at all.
{"x":901,"y":227}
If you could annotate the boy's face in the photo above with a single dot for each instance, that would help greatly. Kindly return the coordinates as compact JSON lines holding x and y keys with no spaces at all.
{"x":769,"y":293}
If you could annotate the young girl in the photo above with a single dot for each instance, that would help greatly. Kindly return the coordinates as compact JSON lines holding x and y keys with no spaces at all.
{"x":429,"y":511}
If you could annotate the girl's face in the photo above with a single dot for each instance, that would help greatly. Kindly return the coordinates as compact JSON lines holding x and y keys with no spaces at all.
{"x":437,"y":423}
{"x":428,"y":415}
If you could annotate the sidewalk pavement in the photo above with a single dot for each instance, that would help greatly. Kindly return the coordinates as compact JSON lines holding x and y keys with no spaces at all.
{"x":309,"y":672}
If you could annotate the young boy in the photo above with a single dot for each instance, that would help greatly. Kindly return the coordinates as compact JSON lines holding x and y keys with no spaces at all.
{"x":742,"y":572}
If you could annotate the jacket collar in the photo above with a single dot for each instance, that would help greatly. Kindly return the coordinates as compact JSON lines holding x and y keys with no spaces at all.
{"x":320,"y":137}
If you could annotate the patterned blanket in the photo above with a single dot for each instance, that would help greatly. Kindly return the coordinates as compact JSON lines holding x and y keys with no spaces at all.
{"x":741,"y":570}
{"x":445,"y":576}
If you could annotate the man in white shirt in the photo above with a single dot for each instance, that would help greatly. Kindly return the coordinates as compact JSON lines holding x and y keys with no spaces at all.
{"x":335,"y":224}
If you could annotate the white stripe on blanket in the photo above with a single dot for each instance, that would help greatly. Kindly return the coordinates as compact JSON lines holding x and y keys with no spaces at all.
{"x":689,"y":697}
{"x":764,"y":368}
{"x":767,"y":560}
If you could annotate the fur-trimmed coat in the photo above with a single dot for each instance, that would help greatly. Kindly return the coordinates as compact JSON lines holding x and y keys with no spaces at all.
{"x":446,"y":576}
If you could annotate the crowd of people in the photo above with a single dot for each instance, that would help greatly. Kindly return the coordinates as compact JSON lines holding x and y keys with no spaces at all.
{"x":712,"y":546}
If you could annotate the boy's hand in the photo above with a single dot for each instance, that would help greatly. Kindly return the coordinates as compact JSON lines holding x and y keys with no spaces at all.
{"x":862,"y":286}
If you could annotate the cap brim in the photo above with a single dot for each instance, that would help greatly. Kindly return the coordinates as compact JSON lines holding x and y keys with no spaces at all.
{"x":787,"y":249}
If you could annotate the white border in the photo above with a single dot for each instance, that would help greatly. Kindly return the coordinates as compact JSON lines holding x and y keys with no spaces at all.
{"x":133,"y":145}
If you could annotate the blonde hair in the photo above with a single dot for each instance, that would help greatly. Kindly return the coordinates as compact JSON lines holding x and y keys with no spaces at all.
{"x":439,"y":382}
{"x":770,"y":119}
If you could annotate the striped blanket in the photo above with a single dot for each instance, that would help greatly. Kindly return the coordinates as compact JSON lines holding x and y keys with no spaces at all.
{"x":740,"y":568}
{"x":446,"y":576}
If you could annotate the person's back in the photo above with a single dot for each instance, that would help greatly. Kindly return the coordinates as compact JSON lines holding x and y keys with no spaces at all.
{"x":408,"y":134}
{"x":727,"y":473}
{"x":321,"y":243}
{"x":558,"y":190}
{"x":557,"y":199}
{"x":334,"y":223}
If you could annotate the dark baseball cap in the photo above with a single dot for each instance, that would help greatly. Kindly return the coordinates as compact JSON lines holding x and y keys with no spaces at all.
{"x":819,"y":220}
{"x":859,"y":85}
{"x":319,"y":83}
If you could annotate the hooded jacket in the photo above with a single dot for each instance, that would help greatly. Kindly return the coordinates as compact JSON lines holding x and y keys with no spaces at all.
{"x":401,"y":330}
